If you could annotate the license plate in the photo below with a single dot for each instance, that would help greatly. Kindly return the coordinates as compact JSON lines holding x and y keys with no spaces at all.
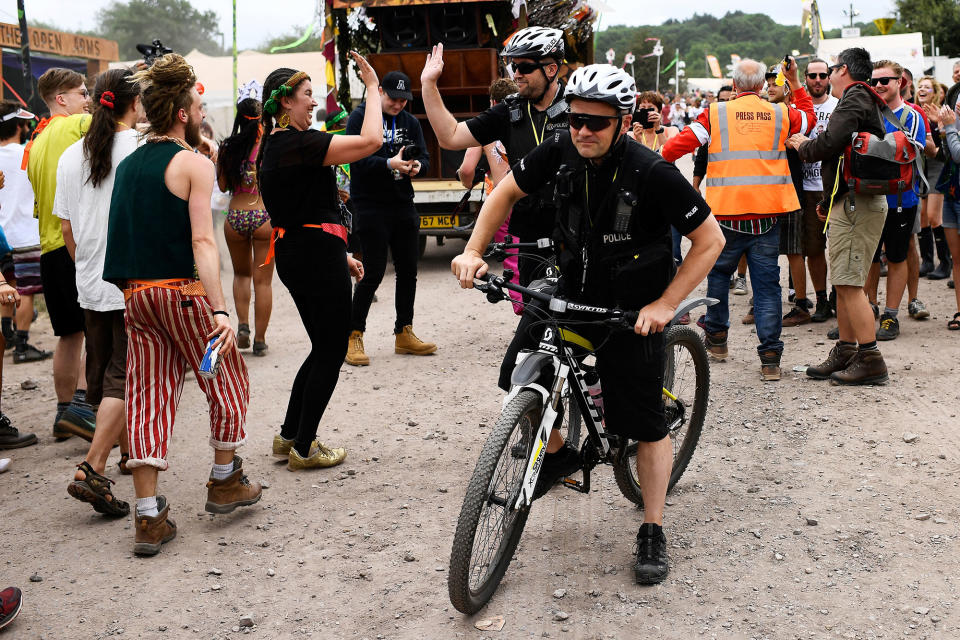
{"x":438,"y":222}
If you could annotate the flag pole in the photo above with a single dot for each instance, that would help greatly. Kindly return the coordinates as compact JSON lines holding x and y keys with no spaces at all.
{"x":234,"y":58}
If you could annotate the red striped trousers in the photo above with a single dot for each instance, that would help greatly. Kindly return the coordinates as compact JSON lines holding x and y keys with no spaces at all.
{"x":166,"y":333}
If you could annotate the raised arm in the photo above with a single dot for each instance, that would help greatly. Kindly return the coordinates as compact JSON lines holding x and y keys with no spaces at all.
{"x":948,"y":117}
{"x":346,"y":149}
{"x":469,"y":166}
{"x":450,"y":133}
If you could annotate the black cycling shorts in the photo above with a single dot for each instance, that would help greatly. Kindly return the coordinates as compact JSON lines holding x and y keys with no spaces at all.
{"x":897,"y":234}
{"x":631,"y":375}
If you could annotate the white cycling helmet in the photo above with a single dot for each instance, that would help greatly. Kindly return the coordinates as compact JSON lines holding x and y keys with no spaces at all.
{"x":603,"y":83}
{"x":536,"y":43}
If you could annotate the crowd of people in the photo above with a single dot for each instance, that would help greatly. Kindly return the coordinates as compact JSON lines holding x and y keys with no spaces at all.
{"x":105,"y":208}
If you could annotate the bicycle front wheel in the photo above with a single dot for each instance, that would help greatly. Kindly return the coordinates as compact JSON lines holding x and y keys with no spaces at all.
{"x":489,"y":527}
{"x":686,"y":390}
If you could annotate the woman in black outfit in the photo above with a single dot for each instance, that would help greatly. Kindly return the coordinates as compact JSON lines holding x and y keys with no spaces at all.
{"x":299,"y":190}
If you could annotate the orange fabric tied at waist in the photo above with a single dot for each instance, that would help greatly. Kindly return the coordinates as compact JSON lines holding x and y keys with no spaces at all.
{"x":333,"y":229}
{"x":189,"y":288}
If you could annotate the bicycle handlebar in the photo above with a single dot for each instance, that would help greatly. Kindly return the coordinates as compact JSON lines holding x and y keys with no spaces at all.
{"x":494,"y":285}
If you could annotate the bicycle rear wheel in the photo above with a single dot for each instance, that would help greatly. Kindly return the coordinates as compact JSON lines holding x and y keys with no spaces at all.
{"x":687,"y":378}
{"x":489,"y":528}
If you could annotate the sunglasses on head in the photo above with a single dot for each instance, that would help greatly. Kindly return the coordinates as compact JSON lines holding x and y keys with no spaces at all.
{"x":822,"y":76}
{"x":590,"y":121}
{"x":884,"y":81}
{"x":525,"y":68}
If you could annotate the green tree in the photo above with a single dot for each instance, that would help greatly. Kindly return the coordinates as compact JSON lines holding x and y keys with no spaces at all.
{"x":937,"y":18}
{"x":175,"y":22}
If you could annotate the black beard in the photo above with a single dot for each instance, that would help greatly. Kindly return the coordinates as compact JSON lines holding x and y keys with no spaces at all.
{"x":826,"y":90}
{"x":192,"y":133}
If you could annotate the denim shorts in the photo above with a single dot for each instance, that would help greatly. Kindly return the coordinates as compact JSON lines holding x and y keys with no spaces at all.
{"x":951,"y":213}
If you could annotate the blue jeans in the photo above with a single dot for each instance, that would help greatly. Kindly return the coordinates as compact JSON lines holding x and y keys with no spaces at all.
{"x":762,"y":253}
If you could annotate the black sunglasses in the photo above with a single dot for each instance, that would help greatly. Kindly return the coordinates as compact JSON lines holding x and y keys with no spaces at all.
{"x":834,"y":67}
{"x":590,"y":121}
{"x":822,"y":76}
{"x":526,"y":68}
{"x":884,"y":81}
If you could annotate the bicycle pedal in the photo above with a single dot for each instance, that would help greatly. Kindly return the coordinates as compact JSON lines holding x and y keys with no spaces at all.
{"x":576,"y":485}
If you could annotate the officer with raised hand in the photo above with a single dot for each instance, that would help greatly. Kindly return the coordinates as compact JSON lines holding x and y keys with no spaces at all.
{"x":520,"y":122}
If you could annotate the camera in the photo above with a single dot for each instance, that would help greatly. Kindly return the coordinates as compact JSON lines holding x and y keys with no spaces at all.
{"x":643,"y":117}
{"x":411,"y":152}
{"x":151,"y":52}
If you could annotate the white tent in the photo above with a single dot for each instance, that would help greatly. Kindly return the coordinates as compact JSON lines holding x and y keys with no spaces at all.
{"x":215,"y":73}
{"x":903,"y":48}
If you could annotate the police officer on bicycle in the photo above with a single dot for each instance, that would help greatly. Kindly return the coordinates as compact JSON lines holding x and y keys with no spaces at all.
{"x":521,"y":122}
{"x":616,"y":202}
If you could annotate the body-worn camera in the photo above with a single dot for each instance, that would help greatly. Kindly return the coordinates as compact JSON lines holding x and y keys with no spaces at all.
{"x":151,"y":52}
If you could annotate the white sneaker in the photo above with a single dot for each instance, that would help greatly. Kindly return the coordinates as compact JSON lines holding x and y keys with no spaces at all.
{"x":740,"y":286}
{"x":4,"y":464}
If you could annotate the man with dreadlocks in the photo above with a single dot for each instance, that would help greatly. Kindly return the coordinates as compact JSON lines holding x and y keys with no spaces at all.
{"x":161,"y":251}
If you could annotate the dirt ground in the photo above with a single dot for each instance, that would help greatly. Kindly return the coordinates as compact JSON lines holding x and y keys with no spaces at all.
{"x":804,"y":514}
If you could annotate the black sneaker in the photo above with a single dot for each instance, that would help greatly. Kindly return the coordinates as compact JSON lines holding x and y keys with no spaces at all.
{"x":823,"y":311}
{"x":834,"y":334}
{"x":30,"y":353}
{"x":652,"y":564}
{"x":11,"y":438}
{"x":556,"y":466}
{"x":889,"y":327}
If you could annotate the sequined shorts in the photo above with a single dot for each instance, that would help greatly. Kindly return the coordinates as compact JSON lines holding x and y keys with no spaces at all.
{"x":245,"y":222}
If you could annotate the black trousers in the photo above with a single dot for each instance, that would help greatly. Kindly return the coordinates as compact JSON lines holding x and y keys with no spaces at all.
{"x":377,"y":230}
{"x":312,"y":264}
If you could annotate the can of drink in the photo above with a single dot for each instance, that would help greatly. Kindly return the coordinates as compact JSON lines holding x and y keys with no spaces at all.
{"x":210,"y":365}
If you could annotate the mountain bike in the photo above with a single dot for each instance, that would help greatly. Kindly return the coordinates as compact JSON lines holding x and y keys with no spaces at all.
{"x":561,"y":374}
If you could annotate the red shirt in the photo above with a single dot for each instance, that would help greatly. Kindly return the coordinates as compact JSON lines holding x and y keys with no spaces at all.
{"x":802,"y":120}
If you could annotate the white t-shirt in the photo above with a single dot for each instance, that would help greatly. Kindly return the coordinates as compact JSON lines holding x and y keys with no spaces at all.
{"x":811,"y":170}
{"x":88,"y":210}
{"x":16,"y":201}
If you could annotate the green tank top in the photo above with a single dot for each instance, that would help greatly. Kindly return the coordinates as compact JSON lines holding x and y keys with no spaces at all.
{"x":149,"y":235}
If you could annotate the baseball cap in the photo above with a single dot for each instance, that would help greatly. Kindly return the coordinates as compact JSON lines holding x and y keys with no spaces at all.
{"x":19,"y":113}
{"x":396,"y":84}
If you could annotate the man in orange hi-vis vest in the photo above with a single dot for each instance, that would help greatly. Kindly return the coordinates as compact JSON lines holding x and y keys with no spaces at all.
{"x":748,"y":186}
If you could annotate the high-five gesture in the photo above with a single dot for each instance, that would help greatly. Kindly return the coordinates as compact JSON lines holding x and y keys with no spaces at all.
{"x":433,"y":67}
{"x":367,"y":74}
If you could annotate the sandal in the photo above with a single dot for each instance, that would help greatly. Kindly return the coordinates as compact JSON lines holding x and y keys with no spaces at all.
{"x":243,"y":336}
{"x":954,"y":325}
{"x":95,"y":489}
{"x":260,"y":349}
{"x":124,"y":457}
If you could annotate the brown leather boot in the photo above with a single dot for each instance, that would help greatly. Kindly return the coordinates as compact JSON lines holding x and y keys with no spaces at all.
{"x":407,"y":342}
{"x":153,"y":531}
{"x":837,"y":360}
{"x":223,"y":496}
{"x":716,"y":344}
{"x":355,"y":353}
{"x":769,"y":366}
{"x":866,"y":367}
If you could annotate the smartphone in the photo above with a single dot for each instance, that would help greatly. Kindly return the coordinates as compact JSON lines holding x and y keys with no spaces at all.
{"x":643,"y":119}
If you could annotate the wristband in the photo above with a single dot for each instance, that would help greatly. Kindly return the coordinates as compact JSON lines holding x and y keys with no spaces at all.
{"x":221,"y":313}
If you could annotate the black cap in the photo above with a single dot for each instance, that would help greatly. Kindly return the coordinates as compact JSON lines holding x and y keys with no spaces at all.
{"x":396,"y":84}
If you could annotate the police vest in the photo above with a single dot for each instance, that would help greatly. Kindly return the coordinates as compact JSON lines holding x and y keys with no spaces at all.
{"x":600,"y":259}
{"x":747,"y":169}
{"x":527,"y":222}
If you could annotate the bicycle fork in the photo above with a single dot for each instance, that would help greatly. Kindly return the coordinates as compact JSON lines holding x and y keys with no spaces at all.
{"x":551,"y":410}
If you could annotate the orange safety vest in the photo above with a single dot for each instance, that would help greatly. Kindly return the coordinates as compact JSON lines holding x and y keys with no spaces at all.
{"x":747,"y":170}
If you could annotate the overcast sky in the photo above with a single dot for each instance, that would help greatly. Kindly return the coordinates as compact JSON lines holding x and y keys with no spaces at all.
{"x":258,"y":20}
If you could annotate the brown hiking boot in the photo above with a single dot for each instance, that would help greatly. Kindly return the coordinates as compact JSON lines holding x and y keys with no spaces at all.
{"x":797,"y":316}
{"x":748,"y":316}
{"x":355,"y":354}
{"x":223,"y":496}
{"x":153,"y":531}
{"x":837,"y":360}
{"x":716,"y":344}
{"x":769,"y":366}
{"x":407,"y":342}
{"x":866,"y":367}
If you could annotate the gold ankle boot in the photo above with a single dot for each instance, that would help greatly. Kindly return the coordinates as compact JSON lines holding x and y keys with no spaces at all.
{"x":407,"y":342}
{"x":320,"y":457}
{"x":355,"y":353}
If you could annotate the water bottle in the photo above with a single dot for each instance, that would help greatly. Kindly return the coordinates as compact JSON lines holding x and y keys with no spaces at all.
{"x":592,"y":378}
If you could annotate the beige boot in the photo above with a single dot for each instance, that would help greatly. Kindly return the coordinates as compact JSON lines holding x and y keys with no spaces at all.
{"x":355,"y":354}
{"x":408,"y":342}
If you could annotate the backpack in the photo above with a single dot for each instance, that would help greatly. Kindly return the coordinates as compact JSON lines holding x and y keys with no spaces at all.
{"x":884,"y":166}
